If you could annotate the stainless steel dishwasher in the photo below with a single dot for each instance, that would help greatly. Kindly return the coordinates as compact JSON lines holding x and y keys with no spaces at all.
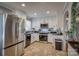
{"x":28,"y":39}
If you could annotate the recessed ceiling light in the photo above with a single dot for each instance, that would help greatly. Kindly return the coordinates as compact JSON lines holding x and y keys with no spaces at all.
{"x":23,"y":5}
{"x":35,"y":14}
{"x":47,"y":12}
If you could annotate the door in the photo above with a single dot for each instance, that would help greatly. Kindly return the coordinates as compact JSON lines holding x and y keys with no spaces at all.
{"x":10,"y":40}
{"x":8,"y":31}
{"x":19,"y":37}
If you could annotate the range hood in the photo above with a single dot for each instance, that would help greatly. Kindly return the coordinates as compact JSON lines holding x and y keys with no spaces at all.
{"x":44,"y":28}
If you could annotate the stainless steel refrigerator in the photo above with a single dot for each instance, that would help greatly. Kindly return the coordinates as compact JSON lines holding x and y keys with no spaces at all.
{"x":13,"y":45}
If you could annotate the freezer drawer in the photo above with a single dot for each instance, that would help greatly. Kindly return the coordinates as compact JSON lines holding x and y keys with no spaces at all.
{"x":10,"y":51}
{"x":14,"y":49}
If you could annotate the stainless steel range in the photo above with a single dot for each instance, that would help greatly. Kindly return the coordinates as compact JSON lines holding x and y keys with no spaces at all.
{"x":43,"y":37}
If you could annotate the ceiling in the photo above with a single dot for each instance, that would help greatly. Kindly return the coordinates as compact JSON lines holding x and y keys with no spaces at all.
{"x":36,"y":7}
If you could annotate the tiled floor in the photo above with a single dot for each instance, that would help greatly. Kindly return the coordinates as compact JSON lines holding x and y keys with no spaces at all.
{"x":42,"y":49}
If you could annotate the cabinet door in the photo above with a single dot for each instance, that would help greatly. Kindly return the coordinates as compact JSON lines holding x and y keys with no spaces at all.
{"x":72,"y":51}
{"x":34,"y":37}
{"x":50,"y":39}
{"x":20,"y":49}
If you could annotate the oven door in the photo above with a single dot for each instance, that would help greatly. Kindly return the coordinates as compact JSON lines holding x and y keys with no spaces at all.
{"x":43,"y":37}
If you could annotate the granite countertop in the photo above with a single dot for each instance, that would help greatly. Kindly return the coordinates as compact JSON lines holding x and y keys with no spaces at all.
{"x":55,"y":33}
{"x":73,"y":41}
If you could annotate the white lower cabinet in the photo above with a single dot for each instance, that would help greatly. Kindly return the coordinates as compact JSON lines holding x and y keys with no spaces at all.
{"x":72,"y":51}
{"x":51,"y":39}
{"x":34,"y":37}
{"x":20,"y":49}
